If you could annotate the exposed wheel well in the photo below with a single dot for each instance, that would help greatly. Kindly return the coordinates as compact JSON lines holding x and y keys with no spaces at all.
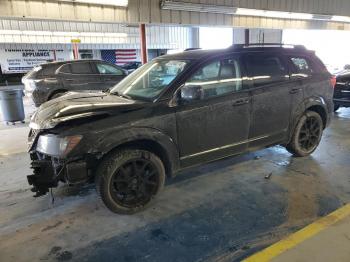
{"x":321,"y":111}
{"x":151,"y":146}
{"x":56,"y":92}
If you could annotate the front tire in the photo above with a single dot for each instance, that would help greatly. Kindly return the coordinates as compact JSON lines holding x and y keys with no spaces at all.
{"x":128,"y":180}
{"x":307,"y":135}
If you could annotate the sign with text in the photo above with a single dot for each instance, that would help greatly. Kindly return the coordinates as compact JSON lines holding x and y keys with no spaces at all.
{"x":23,"y":60}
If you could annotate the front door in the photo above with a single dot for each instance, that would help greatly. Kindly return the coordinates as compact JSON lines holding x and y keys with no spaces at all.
{"x":217,"y":124}
{"x":271,"y":99}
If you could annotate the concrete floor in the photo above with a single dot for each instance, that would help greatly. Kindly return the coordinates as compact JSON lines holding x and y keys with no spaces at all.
{"x":223,"y":211}
{"x":331,"y":244}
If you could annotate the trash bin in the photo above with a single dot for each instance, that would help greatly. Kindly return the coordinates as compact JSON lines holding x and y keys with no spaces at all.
{"x":11,"y":104}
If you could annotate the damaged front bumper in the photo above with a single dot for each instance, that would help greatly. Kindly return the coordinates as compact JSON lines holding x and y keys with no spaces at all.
{"x":49,"y":171}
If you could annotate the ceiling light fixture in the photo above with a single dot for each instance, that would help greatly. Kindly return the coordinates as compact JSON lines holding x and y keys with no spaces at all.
{"x":121,"y":3}
{"x":273,"y":14}
{"x":193,"y":7}
{"x":229,"y":10}
{"x":344,"y":19}
{"x":62,"y":34}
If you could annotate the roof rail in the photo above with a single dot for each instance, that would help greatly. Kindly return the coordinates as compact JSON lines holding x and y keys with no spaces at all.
{"x":240,"y":46}
{"x":192,"y":48}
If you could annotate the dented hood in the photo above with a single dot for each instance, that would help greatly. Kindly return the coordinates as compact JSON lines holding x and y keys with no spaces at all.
{"x":80,"y":105}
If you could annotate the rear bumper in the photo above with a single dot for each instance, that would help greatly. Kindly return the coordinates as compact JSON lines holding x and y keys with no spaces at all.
{"x":341,"y":102}
{"x":48,"y":172}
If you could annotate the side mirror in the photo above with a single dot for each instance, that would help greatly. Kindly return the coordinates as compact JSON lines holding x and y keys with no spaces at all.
{"x":191,"y":93}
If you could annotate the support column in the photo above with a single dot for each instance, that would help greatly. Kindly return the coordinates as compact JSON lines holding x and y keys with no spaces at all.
{"x":75,"y":51}
{"x":238,"y":36}
{"x":246,"y":37}
{"x":54,"y":55}
{"x":194,"y":37}
{"x":143,"y":44}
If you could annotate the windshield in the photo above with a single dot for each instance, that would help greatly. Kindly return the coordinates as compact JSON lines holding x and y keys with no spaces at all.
{"x":147,"y":82}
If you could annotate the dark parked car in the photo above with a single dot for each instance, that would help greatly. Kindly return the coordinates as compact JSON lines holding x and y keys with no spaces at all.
{"x":342,"y":91}
{"x":54,"y":79}
{"x":178,"y":111}
{"x":132,"y":66}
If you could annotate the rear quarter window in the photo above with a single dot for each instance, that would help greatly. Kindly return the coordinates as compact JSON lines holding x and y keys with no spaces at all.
{"x":306,"y":66}
{"x":47,"y":71}
{"x":65,"y":69}
{"x":302,"y":65}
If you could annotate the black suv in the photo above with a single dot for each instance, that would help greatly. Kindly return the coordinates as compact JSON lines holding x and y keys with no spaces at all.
{"x":52,"y":80}
{"x":342,"y":91}
{"x":178,"y":111}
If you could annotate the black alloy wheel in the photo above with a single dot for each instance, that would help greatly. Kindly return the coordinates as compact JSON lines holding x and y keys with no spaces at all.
{"x":306,"y":135}
{"x":134,"y":183}
{"x":310,"y":133}
{"x":128,"y":180}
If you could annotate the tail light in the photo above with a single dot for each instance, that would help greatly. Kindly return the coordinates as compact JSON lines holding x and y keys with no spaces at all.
{"x":333,"y":81}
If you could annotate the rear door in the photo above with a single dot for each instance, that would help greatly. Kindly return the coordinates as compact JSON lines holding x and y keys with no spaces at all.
{"x":305,"y":78}
{"x":80,"y":76}
{"x":110,"y":74}
{"x":218,"y":124}
{"x":271,"y":100}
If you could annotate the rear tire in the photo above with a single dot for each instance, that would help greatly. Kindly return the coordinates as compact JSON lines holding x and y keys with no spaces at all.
{"x":307,"y":135}
{"x":336,"y":107}
{"x":128,"y":180}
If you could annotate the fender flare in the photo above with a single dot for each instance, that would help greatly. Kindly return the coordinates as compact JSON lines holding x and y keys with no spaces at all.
{"x":301,"y":109}
{"x":113,"y":140}
{"x":55,"y":91}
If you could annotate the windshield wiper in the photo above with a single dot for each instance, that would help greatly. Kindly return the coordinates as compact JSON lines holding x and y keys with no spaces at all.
{"x":121,"y":95}
{"x":106,"y":90}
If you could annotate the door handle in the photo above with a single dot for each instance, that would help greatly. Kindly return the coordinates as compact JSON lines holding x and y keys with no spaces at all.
{"x":69,"y":80}
{"x":294,"y":90}
{"x":240,"y":102}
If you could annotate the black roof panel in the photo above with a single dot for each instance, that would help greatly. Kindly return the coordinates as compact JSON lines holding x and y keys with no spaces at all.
{"x":202,"y":53}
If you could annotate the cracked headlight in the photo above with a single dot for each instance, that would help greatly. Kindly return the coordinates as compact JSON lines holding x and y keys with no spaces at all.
{"x":57,"y":146}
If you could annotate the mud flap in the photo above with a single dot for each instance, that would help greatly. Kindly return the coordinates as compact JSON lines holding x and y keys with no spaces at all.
{"x":43,"y":177}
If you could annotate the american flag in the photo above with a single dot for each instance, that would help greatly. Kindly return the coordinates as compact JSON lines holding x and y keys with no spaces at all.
{"x":119,"y":56}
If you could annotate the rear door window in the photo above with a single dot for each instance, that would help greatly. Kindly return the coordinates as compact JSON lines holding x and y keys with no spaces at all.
{"x":81,"y":68}
{"x":266,"y":69}
{"x":106,"y":69}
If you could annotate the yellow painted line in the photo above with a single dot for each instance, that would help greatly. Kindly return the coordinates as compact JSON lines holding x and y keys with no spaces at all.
{"x":300,"y":236}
